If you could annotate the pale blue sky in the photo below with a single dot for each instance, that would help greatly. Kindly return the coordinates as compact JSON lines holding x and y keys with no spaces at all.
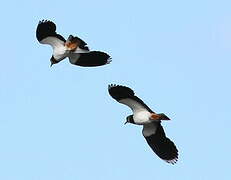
{"x":60,"y":123}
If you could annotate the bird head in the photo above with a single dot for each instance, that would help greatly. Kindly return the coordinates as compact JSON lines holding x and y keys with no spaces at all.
{"x":53,"y":61}
{"x":129,"y":119}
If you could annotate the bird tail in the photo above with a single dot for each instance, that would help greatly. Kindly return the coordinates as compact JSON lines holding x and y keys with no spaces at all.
{"x":160,"y":116}
{"x":163,"y":116}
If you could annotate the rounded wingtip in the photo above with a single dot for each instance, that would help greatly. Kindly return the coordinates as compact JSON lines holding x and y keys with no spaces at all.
{"x":172,"y":161}
{"x":111,"y":86}
{"x":109,"y":60}
{"x":44,"y":21}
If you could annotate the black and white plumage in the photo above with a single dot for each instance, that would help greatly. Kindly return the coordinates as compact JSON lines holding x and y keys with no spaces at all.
{"x":74,"y":48}
{"x":153,"y":132}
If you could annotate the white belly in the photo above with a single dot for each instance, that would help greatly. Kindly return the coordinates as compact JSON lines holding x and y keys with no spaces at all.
{"x":142,"y":117}
{"x":60,"y":53}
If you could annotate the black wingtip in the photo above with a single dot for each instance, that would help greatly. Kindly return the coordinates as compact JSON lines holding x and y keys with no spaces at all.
{"x":109,"y":60}
{"x":172,"y":161}
{"x":119,"y":92}
{"x":111,"y":86}
{"x":163,"y":146}
{"x":46,"y":28}
{"x":93,"y":58}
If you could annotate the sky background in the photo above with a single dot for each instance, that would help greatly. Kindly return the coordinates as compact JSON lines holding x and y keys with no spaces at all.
{"x":60,"y":123}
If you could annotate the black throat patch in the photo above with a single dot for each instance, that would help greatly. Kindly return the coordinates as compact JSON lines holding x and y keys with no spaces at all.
{"x":53,"y":60}
{"x":131,"y":120}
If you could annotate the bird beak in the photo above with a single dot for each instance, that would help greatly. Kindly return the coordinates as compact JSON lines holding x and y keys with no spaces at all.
{"x":126,"y":122}
{"x":51,"y":64}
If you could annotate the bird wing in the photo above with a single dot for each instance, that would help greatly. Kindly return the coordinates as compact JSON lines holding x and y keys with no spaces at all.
{"x":126,"y":96}
{"x":90,"y":59}
{"x":160,"y":144}
{"x":46,"y":34}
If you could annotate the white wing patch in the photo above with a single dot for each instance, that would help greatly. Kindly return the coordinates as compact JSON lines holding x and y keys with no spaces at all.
{"x":53,"y":41}
{"x":149,"y":129}
{"x":134,"y":105}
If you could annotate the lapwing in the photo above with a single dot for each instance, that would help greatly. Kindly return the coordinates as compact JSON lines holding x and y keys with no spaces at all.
{"x":74,"y":48}
{"x":153,"y":131}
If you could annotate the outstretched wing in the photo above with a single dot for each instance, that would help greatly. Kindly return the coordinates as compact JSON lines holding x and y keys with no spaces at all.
{"x":90,"y":59}
{"x":46,"y":34}
{"x":160,"y":144}
{"x":126,"y":96}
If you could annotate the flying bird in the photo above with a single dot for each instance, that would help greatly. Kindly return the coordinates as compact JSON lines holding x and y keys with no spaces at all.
{"x":74,"y":48}
{"x":152,"y":131}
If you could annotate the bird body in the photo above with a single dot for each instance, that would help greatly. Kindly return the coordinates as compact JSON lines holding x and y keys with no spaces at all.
{"x":60,"y":53}
{"x":73,"y":48}
{"x":142,"y":115}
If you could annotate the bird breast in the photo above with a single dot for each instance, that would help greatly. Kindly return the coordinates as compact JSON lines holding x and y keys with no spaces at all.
{"x":142,"y":117}
{"x":60,"y":53}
